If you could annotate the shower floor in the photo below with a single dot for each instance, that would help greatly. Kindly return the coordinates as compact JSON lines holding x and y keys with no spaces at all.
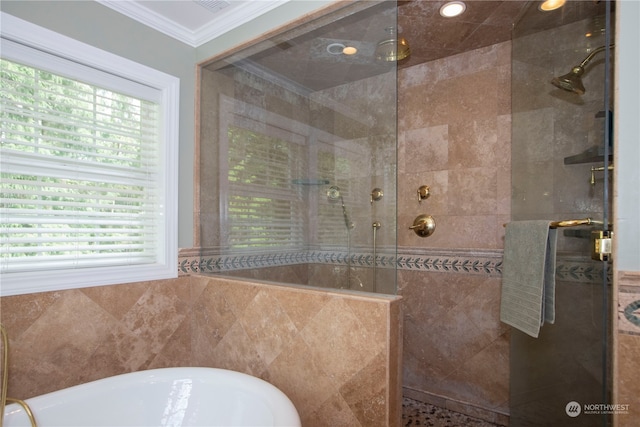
{"x":416,"y":413}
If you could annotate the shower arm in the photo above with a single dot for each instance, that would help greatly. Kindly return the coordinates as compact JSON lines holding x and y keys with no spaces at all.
{"x":589,"y":57}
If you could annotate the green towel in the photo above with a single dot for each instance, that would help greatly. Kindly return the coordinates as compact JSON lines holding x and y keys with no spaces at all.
{"x":528,"y":275}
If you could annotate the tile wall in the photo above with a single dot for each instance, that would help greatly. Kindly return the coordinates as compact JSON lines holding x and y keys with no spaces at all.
{"x":454,"y":136}
{"x":336,"y":355}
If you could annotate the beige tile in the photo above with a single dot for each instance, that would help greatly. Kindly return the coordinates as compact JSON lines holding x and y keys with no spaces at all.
{"x":120,"y":350}
{"x":461,"y":231}
{"x":177,"y":351}
{"x":343,"y":349}
{"x":211,"y":319}
{"x":60,"y":340}
{"x":373,"y":316}
{"x":20,"y":311}
{"x":300,"y":378}
{"x":425,"y":149}
{"x":628,"y":387}
{"x":425,"y":362}
{"x":472,"y":191}
{"x":483,"y":379}
{"x":157,"y":314}
{"x":237,"y":352}
{"x":237,"y":293}
{"x":333,"y":412}
{"x":366,"y":393}
{"x":267,"y":324}
{"x":117,"y":299}
{"x":473,"y":143}
{"x":301,"y":306}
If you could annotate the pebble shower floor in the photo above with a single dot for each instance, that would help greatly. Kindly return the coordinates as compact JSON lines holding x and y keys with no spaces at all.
{"x":416,"y":413}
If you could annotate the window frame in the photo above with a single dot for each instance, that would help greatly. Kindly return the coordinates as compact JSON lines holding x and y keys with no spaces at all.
{"x":75,"y":52}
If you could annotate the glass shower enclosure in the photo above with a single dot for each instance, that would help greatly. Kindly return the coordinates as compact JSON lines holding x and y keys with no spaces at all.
{"x":561,"y":162}
{"x":297,"y":154}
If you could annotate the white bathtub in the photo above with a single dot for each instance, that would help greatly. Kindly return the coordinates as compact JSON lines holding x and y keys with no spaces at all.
{"x":162,"y":397}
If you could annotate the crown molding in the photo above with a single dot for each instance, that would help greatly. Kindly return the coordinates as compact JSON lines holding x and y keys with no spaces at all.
{"x":223,"y":22}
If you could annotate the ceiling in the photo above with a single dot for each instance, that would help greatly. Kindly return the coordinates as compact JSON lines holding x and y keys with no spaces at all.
{"x":303,"y":59}
{"x":193,"y":22}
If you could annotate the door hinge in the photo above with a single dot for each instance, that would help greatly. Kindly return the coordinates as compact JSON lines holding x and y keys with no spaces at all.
{"x":602,"y":245}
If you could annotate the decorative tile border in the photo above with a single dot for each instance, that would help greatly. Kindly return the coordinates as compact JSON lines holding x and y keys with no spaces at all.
{"x":629,"y":313}
{"x":573,"y":269}
{"x":632,"y":312}
{"x":629,"y":303}
{"x":446,"y":261}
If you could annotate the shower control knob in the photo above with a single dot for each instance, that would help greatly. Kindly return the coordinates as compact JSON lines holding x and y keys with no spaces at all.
{"x":376,"y":194}
{"x":423,"y":192}
{"x":424,"y":225}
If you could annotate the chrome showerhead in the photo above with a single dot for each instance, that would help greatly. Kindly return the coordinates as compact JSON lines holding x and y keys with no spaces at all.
{"x":572,"y":81}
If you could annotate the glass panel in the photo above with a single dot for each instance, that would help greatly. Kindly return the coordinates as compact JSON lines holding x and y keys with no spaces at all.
{"x":296,"y":132}
{"x":561,"y":151}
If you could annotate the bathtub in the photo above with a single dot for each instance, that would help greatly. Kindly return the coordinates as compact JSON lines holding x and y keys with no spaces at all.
{"x":162,"y":397}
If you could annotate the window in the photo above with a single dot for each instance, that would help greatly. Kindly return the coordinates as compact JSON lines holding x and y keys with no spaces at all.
{"x":261,"y":157}
{"x":263,"y":211}
{"x":88,"y":160}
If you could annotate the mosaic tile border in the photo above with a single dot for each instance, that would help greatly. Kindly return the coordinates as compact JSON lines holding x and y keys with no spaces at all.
{"x":629,"y":313}
{"x":572,"y":269}
{"x":629,"y":303}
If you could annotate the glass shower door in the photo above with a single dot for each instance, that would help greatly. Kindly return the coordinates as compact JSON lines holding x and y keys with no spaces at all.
{"x":297,"y":151}
{"x":561,"y":162}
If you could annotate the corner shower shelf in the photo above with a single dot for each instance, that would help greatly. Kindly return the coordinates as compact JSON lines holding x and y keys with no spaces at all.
{"x":592,"y":155}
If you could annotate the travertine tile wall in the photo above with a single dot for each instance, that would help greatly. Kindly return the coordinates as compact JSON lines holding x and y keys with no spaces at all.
{"x":64,"y":338}
{"x":454,"y":135}
{"x":627,"y":349}
{"x":336,"y":355}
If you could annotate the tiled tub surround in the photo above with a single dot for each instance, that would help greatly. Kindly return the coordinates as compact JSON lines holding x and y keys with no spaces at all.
{"x":337,"y":355}
{"x":455,"y":348}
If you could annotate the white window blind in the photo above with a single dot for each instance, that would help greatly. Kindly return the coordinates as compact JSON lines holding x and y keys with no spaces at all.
{"x":78,"y":173}
{"x":87,"y":162}
{"x":264,"y":209}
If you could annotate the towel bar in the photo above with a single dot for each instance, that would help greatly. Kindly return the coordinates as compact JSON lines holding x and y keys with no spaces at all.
{"x":574,"y":223}
{"x":571,"y":223}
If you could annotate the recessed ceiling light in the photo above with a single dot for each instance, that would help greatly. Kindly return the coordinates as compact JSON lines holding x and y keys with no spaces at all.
{"x":549,"y":5}
{"x":453,"y":8}
{"x":349,"y":50}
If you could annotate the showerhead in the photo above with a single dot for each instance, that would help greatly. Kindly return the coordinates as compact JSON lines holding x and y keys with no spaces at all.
{"x":333,"y":193}
{"x":572,"y":81}
{"x":393,"y":48}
